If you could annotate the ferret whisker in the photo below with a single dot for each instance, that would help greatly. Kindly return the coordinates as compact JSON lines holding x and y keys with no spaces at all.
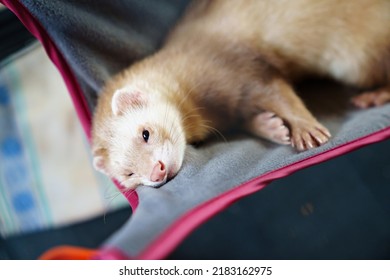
{"x":193,"y":108}
{"x":110,"y":197}
{"x":190,"y":116}
{"x":175,"y":138}
{"x":187,"y":94}
{"x":171,"y":129}
{"x":168,"y":126}
{"x":172,"y":135}
{"x":165,"y":116}
{"x":215,"y":131}
{"x":191,"y":113}
{"x":114,"y":192}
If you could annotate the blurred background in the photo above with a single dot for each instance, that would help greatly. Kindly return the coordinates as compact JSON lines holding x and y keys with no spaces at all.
{"x":50,"y":194}
{"x":46,"y":178}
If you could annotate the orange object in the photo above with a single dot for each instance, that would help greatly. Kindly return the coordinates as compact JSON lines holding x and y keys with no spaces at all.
{"x":68,"y":253}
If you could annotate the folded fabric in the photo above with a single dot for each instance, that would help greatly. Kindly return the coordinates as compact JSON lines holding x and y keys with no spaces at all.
{"x":89,"y":41}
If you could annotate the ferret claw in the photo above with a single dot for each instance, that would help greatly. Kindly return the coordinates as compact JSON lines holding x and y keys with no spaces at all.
{"x":307,"y":136}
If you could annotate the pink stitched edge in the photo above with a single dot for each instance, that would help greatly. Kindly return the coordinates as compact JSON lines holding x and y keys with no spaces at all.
{"x":130,"y":195}
{"x":109,"y":254}
{"x":71,"y":83}
{"x":172,"y":236}
{"x":182,"y":227}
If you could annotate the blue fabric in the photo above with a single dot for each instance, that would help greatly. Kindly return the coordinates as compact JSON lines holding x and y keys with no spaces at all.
{"x":24,"y":206}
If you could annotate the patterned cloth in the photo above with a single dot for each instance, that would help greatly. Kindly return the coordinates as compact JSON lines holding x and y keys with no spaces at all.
{"x":46,"y":178}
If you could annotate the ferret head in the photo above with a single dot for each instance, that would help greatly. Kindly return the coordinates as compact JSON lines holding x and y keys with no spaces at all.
{"x":145,"y":143}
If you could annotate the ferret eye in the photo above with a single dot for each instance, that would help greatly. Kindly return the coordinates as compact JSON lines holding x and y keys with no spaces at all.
{"x":130,"y":174}
{"x":145,"y":135}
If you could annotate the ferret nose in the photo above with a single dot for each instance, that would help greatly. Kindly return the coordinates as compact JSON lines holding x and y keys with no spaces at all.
{"x":158,"y":172}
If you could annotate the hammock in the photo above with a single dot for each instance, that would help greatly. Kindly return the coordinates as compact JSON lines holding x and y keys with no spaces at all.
{"x":89,"y":41}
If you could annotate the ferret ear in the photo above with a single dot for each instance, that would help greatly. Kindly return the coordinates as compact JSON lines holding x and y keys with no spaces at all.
{"x":125,"y":98}
{"x":99,"y":164}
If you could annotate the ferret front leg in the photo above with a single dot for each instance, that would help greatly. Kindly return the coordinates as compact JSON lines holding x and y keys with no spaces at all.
{"x":278,"y":101}
{"x":269,"y":126}
{"x":372,"y":98}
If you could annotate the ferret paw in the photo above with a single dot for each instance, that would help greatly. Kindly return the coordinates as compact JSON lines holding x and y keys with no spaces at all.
{"x":269,"y":126}
{"x":309,"y":135}
{"x":372,"y":98}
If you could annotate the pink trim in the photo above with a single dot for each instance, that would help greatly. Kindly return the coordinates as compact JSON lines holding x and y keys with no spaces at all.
{"x":183,"y":226}
{"x":59,"y":61}
{"x":109,"y":254}
{"x":130,"y":195}
{"x":56,"y":57}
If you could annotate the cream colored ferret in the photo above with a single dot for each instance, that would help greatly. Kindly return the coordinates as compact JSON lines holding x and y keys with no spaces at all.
{"x":231,"y":64}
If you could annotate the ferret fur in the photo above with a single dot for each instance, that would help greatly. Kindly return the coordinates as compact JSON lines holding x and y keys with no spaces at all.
{"x":231,"y":64}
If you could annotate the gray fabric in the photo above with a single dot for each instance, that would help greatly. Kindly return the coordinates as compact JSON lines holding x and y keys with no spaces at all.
{"x":98,"y":38}
{"x":212,"y":170}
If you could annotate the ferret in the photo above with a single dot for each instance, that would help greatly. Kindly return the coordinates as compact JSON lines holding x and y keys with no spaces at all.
{"x":232,"y":64}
